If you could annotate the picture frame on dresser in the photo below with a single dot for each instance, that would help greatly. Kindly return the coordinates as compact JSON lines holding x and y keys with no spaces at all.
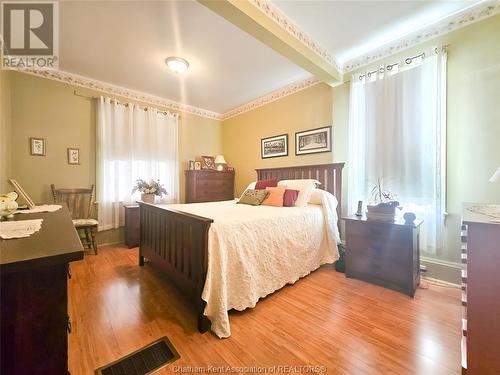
{"x":208,"y":162}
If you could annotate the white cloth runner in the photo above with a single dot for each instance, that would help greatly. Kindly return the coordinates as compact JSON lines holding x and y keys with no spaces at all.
{"x":42,"y":208}
{"x":491,"y":210}
{"x":19,"y":229}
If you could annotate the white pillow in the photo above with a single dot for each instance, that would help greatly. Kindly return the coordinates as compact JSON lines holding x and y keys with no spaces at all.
{"x":317,"y":196}
{"x":251,"y":185}
{"x":305,"y":188}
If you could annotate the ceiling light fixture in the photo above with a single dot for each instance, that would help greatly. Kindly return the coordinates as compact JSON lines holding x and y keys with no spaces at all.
{"x":177,"y":64}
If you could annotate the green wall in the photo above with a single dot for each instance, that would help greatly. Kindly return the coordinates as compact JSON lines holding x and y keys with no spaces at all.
{"x":44,"y":108}
{"x":473,"y":121}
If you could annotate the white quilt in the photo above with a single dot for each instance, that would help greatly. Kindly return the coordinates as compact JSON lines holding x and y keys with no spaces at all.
{"x":256,"y":250}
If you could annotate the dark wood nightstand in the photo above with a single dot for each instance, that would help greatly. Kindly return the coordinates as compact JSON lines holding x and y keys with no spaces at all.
{"x":386,"y":254}
{"x":132,"y":225}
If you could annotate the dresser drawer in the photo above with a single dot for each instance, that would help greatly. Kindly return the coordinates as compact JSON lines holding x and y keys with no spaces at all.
{"x":214,"y":184}
{"x":210,"y":176}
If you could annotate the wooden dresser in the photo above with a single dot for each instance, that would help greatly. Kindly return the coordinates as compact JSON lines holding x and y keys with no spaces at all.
{"x":385,"y":254}
{"x":34,"y":301}
{"x":209,"y":186}
{"x":480,"y":293}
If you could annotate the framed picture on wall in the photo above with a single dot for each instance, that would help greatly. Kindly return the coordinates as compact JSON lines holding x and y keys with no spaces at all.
{"x":273,"y":147}
{"x":313,"y":141}
{"x":73,"y":156}
{"x":37,"y":146}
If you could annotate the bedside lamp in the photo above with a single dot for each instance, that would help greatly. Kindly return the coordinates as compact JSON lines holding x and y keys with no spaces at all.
{"x":220,"y":161}
{"x":496,"y":176}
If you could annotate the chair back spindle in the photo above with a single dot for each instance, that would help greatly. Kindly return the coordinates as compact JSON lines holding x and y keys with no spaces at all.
{"x":78,"y":200}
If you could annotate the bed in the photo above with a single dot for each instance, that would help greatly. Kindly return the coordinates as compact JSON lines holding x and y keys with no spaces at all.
{"x":220,"y":254}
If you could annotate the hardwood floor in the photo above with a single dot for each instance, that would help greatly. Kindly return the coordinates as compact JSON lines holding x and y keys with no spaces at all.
{"x":345,"y":325}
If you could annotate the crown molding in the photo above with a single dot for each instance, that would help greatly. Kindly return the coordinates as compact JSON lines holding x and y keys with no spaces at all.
{"x":110,"y":89}
{"x":272,"y":12}
{"x":272,"y":97}
{"x":453,"y":22}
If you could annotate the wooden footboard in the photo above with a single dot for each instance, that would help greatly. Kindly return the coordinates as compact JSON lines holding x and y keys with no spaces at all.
{"x":177,"y":242}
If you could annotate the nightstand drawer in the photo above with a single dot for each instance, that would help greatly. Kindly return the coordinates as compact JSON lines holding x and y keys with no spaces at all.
{"x":396,"y":252}
{"x":377,"y":267}
{"x":376,"y":231}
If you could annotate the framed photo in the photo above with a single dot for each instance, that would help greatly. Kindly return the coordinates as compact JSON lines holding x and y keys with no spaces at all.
{"x":73,"y":156}
{"x":313,"y":141}
{"x":191,"y":165}
{"x":22,"y":193}
{"x":208,"y":162}
{"x":274,"y":147}
{"x":37,"y":146}
{"x":197,"y":165}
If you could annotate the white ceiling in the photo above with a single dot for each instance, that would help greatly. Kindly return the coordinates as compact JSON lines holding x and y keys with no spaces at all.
{"x":347,"y":29}
{"x":126,"y":43}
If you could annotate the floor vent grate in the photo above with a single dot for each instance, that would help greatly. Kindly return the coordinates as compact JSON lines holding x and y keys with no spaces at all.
{"x":143,"y":361}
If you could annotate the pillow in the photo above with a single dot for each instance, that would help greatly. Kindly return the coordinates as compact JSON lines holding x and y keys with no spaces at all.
{"x":275,"y":197}
{"x":290,"y":197}
{"x":253,"y":197}
{"x":317,"y":196}
{"x":262,"y":184}
{"x":305,"y":188}
{"x":251,"y":186}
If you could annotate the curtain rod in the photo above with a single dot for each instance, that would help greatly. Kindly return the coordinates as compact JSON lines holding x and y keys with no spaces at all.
{"x":407,"y":60}
{"x":126,"y":104}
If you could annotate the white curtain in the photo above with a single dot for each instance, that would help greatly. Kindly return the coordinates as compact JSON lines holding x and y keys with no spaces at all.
{"x":397,"y":133}
{"x":133,"y":143}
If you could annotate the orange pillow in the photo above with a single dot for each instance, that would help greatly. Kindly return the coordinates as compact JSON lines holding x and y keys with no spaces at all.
{"x":275,"y":197}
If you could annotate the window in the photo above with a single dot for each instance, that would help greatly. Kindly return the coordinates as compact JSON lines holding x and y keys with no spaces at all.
{"x":133,"y":143}
{"x":397,"y":133}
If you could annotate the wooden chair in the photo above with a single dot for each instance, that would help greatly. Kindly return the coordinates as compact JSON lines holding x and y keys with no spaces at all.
{"x":80,"y":202}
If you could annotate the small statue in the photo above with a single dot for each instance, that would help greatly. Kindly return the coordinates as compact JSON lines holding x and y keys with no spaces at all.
{"x":8,"y":204}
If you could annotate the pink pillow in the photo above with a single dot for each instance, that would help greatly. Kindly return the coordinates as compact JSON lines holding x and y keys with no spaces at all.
{"x":262,"y":184}
{"x":275,"y":197}
{"x":290,"y":197}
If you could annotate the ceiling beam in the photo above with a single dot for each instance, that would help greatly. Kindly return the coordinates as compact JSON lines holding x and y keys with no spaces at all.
{"x":259,"y":19}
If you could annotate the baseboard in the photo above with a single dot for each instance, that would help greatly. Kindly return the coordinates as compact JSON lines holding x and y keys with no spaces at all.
{"x":107,"y":244}
{"x":442,"y":270}
{"x":440,"y":282}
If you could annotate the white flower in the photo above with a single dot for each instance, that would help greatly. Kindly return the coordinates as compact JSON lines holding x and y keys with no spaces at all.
{"x":3,"y":206}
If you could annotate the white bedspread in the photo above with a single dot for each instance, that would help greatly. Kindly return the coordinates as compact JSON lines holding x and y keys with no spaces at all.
{"x":256,"y":250}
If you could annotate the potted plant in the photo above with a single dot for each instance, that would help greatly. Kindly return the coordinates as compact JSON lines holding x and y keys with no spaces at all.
{"x":383,"y":204}
{"x":149,"y":190}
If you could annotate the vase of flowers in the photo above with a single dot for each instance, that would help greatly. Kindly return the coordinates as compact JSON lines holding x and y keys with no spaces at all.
{"x":149,"y":190}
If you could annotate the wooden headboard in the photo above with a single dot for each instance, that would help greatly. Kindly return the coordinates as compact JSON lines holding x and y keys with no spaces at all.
{"x":330,"y":176}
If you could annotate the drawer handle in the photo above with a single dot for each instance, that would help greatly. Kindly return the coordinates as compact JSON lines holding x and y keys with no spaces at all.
{"x":69,"y":326}
{"x":68,"y":271}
